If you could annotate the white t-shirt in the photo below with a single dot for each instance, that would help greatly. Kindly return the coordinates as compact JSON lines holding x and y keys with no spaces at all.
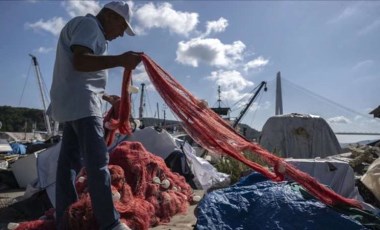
{"x":76,"y":94}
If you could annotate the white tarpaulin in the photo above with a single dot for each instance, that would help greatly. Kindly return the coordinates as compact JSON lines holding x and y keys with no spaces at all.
{"x":159,"y":143}
{"x":47,"y":169}
{"x":371,"y":178}
{"x":299,"y":136}
{"x":338,"y":175}
{"x":205,"y":174}
{"x":162,"y":144}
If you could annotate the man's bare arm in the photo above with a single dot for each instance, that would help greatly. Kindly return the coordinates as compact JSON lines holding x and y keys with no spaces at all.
{"x":85,"y":61}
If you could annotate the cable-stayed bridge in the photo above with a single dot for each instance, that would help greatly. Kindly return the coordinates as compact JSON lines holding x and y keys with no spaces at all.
{"x":356,"y":133}
{"x":344,"y":121}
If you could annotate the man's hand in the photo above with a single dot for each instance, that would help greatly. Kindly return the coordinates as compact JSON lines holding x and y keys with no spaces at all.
{"x":112,"y":99}
{"x":131,"y":59}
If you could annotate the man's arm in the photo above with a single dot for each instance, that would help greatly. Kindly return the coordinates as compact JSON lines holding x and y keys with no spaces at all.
{"x":112,"y":99}
{"x":85,"y":61}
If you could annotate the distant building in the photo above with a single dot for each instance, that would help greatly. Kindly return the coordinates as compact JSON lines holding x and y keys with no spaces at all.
{"x":376,"y":112}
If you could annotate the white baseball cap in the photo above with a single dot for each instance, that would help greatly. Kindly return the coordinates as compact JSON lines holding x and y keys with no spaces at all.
{"x":122,"y":9}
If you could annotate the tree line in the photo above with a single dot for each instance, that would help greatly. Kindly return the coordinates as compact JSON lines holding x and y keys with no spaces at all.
{"x":18,"y":119}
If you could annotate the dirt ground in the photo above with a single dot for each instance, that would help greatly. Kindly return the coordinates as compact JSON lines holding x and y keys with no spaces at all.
{"x":182,"y":221}
{"x":185,"y":221}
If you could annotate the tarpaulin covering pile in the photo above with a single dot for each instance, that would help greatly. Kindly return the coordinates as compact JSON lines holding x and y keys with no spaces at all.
{"x":257,"y":203}
{"x":18,"y":148}
{"x":145,"y":191}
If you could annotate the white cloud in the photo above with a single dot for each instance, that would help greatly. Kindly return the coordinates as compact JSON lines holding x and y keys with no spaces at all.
{"x":358,"y":117}
{"x":361,"y":13}
{"x":140,"y":76}
{"x":210,"y":51}
{"x":363,"y":65}
{"x":263,"y":105}
{"x":256,"y":63}
{"x":345,"y":14}
{"x":254,"y":106}
{"x":216,"y":26}
{"x":339,"y":120}
{"x":232,"y":95}
{"x":53,"y":25}
{"x":164,"y":16}
{"x":231,"y":83}
{"x":81,"y":8}
{"x":370,"y":27}
{"x":43,"y":49}
{"x":73,"y":8}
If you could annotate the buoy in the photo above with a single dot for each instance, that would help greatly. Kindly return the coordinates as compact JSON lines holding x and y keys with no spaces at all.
{"x":156,"y":180}
{"x":203,"y":104}
{"x":116,"y":196}
{"x":196,"y":198}
{"x":133,"y":89}
{"x":13,"y":226}
{"x":137,"y":122}
{"x":165,"y":184}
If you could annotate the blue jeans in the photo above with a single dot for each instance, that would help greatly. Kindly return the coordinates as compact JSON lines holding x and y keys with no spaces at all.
{"x":83,"y":145}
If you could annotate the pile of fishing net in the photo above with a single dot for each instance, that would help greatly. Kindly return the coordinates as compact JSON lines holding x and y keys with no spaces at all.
{"x":145,"y":192}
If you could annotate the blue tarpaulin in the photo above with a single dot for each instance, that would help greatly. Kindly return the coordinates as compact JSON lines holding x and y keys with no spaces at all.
{"x":18,"y":148}
{"x":257,"y":203}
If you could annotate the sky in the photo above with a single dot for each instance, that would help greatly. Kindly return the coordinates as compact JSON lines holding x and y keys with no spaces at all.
{"x":327,"y":53}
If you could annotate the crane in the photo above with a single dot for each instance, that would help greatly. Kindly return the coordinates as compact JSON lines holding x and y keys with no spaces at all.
{"x":242,"y":113}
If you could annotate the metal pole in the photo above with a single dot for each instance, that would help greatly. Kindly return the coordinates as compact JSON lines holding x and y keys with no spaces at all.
{"x":219,"y":100}
{"x":163,"y":123}
{"x":158,"y":111}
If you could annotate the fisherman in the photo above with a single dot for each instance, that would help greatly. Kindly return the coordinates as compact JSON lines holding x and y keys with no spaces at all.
{"x":79,"y":80}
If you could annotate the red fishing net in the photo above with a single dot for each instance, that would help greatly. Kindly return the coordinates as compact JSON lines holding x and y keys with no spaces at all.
{"x":145,"y":191}
{"x":117,"y":118}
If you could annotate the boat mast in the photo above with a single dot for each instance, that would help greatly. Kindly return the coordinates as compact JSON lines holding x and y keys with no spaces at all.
{"x":222,"y":111}
{"x":158,"y":111}
{"x":219,"y":100}
{"x":39,"y":79}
